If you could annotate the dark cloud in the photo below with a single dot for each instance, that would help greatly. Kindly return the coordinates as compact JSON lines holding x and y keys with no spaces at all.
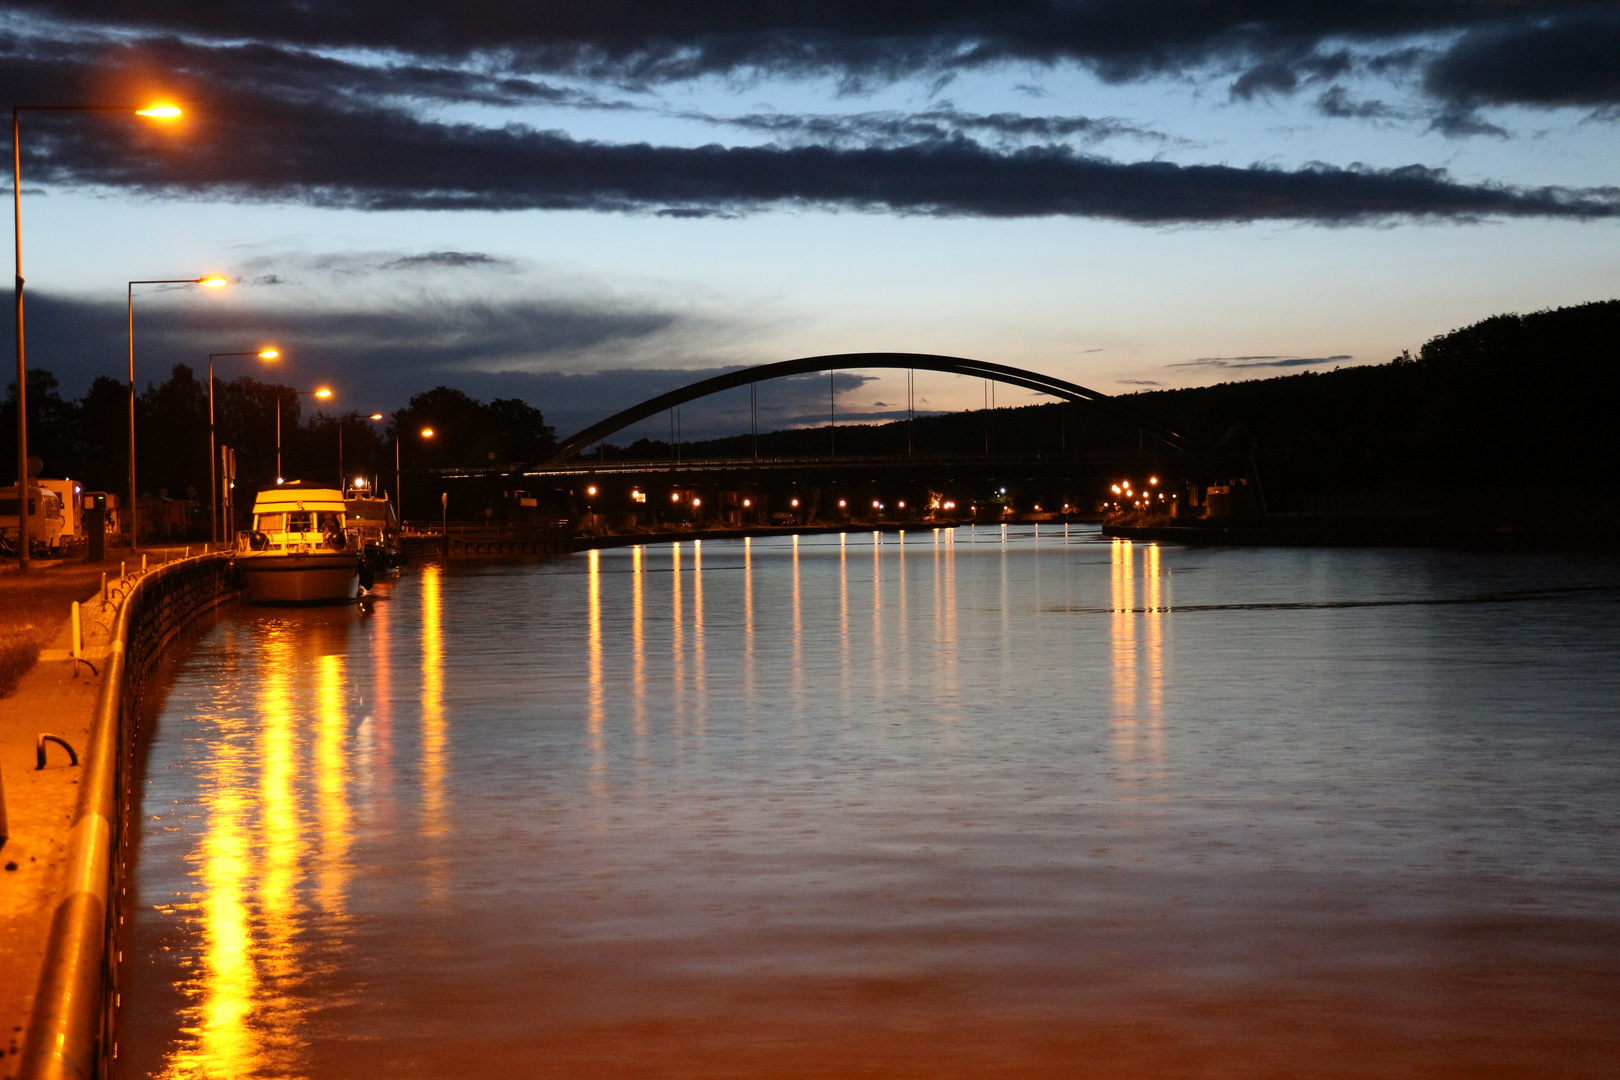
{"x":1553,"y":58}
{"x":443,"y":259}
{"x":676,"y":39}
{"x":1261,"y":361}
{"x":387,"y":352}
{"x":286,"y":124}
{"x":1461,"y":123}
{"x":500,"y":52}
{"x":934,"y":125}
{"x":390,"y":160}
{"x":1336,"y":102}
{"x":1139,"y":382}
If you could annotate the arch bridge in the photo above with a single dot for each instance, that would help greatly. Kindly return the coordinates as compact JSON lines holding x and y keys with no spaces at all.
{"x":954,"y":365}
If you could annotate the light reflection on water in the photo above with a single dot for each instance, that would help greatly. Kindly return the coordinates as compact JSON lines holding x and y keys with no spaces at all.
{"x":1054,"y":807}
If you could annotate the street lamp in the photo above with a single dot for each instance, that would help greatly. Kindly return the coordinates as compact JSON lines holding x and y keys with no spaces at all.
{"x":323,"y":393}
{"x":157,"y":112}
{"x":213,"y":454}
{"x":399,"y":481}
{"x":214,"y":282}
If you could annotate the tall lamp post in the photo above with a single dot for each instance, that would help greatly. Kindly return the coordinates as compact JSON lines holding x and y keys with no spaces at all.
{"x":213,"y":454}
{"x":427,"y":433}
{"x":214,"y":282}
{"x":323,"y":393}
{"x":160,"y":111}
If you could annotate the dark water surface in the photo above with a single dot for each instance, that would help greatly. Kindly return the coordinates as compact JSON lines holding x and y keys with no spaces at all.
{"x":980,"y":803}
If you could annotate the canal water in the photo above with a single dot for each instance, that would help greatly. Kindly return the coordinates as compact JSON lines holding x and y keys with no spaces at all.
{"x":971,"y":803}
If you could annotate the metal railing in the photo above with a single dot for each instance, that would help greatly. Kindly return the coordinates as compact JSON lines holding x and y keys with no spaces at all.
{"x":70,"y":1032}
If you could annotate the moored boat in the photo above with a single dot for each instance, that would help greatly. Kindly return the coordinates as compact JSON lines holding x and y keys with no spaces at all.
{"x":375,"y":527}
{"x":300,"y":550}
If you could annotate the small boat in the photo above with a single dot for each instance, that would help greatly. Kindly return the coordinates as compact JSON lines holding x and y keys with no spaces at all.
{"x":301,"y":549}
{"x":374,"y":525}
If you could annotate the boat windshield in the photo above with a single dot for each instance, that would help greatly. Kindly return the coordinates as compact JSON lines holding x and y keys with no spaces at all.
{"x":270,"y":523}
{"x":298,"y":521}
{"x":330,"y":521}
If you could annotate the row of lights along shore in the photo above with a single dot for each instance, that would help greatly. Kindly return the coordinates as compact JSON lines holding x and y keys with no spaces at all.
{"x":1142,"y":499}
{"x":160,"y":112}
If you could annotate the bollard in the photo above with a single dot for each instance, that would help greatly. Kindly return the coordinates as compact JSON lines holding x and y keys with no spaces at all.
{"x":143,"y":562}
{"x":76,"y":646}
{"x":104,"y":586}
{"x":123,"y":569}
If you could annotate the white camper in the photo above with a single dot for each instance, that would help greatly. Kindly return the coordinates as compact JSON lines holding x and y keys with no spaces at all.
{"x":71,"y":495}
{"x":45,"y":521}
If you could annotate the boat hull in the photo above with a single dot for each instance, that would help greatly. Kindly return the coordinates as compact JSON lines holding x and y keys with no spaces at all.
{"x":299,"y":578}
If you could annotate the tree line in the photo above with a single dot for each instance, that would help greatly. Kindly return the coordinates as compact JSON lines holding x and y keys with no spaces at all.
{"x":87,"y":438}
{"x":1514,"y":408}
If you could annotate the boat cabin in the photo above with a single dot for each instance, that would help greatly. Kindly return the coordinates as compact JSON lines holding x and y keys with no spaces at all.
{"x":298,"y":517}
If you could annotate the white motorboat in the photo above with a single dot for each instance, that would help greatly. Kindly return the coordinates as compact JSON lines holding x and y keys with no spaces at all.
{"x":300,"y":550}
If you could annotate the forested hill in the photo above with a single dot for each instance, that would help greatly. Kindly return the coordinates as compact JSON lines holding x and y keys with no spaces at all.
{"x":1517,"y":407}
{"x":1520,"y":404}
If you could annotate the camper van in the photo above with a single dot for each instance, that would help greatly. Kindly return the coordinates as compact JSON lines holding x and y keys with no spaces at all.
{"x":45,"y":521}
{"x":70,"y":493}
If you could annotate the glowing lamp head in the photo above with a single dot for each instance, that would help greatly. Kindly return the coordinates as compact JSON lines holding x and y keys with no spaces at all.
{"x":697,"y":502}
{"x":323,"y":393}
{"x":795,"y":502}
{"x":591,"y":490}
{"x":160,"y":112}
{"x":215,"y":282}
{"x":427,"y":433}
{"x":376,"y":416}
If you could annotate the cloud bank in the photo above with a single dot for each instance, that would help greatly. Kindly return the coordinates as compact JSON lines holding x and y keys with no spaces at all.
{"x":286,"y":121}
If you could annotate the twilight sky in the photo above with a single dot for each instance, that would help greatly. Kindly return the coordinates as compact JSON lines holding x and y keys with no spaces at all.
{"x":583,"y":204}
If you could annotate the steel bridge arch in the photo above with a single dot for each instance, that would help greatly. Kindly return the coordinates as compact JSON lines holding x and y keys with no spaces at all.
{"x":954,"y":365}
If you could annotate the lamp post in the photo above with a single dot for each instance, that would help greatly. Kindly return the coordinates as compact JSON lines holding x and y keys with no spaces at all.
{"x":214,"y":282}
{"x":213,"y":464}
{"x":377,"y":418}
{"x":323,"y":393}
{"x":427,"y":433}
{"x":161,"y":111}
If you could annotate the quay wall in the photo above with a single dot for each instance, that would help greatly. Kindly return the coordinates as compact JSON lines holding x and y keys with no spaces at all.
{"x":70,"y":1030}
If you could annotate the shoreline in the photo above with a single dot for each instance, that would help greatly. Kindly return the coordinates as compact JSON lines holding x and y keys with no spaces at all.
{"x":1390,"y":531}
